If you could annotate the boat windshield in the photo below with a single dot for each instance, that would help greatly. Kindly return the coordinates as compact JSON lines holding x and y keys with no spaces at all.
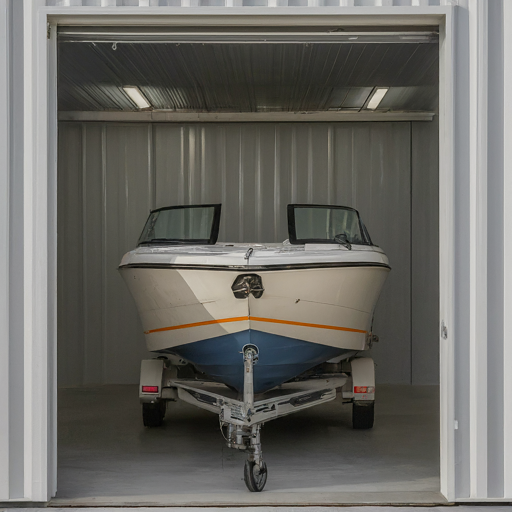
{"x":187,"y":225}
{"x":323,"y":224}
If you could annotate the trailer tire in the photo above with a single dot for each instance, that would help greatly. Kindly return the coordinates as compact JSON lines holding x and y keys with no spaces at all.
{"x":153,"y":414}
{"x":363,"y":414}
{"x":255,"y":478}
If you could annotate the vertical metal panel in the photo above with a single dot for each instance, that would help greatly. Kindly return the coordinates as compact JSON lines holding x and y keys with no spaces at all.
{"x":381,"y":190}
{"x":16,"y":327}
{"x":92,"y":251}
{"x":70,"y":318}
{"x":478,"y":75}
{"x":506,"y":306}
{"x":447,"y":262}
{"x":125,"y":199}
{"x":110,"y":175}
{"x":461,"y":277}
{"x":11,"y":253}
{"x":39,"y":174}
{"x":4,"y":247}
{"x":425,"y":252}
{"x":495,"y":241}
{"x":51,"y":124}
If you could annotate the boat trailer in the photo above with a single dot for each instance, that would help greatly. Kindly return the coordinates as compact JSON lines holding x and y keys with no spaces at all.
{"x":241,"y":419}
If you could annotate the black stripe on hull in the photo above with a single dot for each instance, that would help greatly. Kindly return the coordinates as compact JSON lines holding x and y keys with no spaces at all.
{"x":252,"y":268}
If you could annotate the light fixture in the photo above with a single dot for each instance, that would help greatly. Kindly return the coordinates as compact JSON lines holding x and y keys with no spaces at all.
{"x":376,"y":98}
{"x":136,"y":96}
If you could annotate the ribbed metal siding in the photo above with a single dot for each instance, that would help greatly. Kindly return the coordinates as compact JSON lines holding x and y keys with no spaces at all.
{"x":110,"y":175}
{"x":247,"y":3}
{"x":103,"y":197}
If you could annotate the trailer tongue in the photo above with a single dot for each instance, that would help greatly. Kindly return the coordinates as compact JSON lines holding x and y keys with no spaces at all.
{"x":241,"y":419}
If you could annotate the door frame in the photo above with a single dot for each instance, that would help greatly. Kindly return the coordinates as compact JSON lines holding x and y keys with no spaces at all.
{"x":40,"y":198}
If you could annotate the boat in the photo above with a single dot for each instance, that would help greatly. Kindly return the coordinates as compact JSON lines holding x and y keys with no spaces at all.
{"x":303,"y":302}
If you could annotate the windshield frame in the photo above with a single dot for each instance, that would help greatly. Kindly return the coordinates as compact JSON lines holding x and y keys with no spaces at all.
{"x":292,"y":231}
{"x":214,"y":232}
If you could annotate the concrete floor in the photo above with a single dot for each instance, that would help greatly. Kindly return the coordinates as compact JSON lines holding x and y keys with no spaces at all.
{"x":107,"y":457}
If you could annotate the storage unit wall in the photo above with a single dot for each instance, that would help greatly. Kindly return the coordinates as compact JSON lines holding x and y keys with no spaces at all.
{"x":112,"y":174}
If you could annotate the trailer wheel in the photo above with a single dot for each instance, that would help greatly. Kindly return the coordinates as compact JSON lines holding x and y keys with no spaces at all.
{"x":255,"y":476}
{"x":363,"y":414}
{"x":153,"y":414}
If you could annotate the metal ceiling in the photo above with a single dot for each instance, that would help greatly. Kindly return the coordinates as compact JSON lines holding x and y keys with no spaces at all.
{"x":250,"y":77}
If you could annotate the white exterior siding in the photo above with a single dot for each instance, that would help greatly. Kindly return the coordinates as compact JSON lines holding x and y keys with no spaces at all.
{"x":4,"y":250}
{"x":505,"y":422}
{"x":249,"y":3}
{"x":475,"y":217}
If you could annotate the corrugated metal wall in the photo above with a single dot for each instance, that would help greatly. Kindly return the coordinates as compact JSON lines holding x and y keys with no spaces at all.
{"x":247,"y":3}
{"x":111,"y":174}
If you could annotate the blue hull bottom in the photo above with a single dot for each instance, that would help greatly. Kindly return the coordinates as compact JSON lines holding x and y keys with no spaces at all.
{"x":280,"y":359}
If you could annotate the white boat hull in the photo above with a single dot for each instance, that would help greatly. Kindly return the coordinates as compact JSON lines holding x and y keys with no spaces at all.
{"x":330,"y":306}
{"x":316,"y":303}
{"x":303,"y":318}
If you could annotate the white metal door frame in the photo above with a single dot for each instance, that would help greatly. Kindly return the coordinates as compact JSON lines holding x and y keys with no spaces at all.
{"x":40,"y":178}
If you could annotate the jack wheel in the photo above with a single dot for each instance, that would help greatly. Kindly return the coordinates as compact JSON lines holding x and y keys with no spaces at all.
{"x":363,"y":414}
{"x":153,"y":414}
{"x":255,"y":476}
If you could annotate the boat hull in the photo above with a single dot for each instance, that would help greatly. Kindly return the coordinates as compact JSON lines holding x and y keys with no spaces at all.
{"x":280,"y":358}
{"x":304,"y":317}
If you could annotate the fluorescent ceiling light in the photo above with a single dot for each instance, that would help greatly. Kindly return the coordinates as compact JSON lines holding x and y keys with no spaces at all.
{"x":136,"y":96}
{"x":377,"y":98}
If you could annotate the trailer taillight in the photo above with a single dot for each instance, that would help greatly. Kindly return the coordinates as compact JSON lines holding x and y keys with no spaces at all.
{"x":150,"y":389}
{"x":364,"y":389}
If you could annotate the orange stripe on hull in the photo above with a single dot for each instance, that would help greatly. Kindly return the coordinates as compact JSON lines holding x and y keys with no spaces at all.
{"x":199,"y":324}
{"x":304,"y":324}
{"x":256,"y":319}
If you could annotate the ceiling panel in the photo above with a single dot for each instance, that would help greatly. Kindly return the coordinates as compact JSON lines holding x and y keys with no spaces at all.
{"x":250,"y":77}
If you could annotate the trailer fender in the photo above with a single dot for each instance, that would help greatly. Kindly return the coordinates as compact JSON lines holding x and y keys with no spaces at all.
{"x":151,"y":380}
{"x":363,"y":379}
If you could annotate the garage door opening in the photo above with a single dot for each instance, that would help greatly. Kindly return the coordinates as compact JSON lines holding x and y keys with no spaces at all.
{"x":255,"y":122}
